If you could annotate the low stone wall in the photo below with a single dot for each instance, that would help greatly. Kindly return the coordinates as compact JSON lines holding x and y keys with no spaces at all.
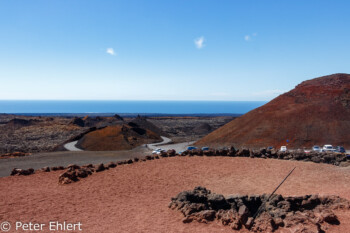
{"x":75,"y":173}
{"x":337,"y":159}
{"x":309,"y":213}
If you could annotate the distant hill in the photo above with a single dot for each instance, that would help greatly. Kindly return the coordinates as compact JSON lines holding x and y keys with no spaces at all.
{"x":142,"y":122}
{"x":117,"y":137}
{"x":316,"y":111}
{"x":17,"y":123}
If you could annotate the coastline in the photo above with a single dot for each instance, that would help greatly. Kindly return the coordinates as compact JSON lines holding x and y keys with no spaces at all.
{"x":154,"y":108}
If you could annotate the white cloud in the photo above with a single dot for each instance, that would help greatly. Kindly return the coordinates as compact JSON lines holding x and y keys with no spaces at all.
{"x":199,"y":42}
{"x":250,"y":37}
{"x":110,"y":51}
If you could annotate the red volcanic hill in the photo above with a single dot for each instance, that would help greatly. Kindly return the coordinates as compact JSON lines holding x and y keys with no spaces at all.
{"x":315,"y":112}
{"x":117,"y":137}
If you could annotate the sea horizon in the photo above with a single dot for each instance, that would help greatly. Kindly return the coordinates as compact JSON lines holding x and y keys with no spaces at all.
{"x":128,"y":106}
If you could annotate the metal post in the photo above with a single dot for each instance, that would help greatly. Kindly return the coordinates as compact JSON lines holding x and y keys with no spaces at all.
{"x":262,"y":204}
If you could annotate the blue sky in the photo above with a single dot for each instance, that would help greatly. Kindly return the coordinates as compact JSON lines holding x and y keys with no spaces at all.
{"x":168,"y":50}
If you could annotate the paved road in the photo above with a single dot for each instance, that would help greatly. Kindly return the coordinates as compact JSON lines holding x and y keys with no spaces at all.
{"x":80,"y":157}
{"x":167,"y":145}
{"x":64,"y":158}
{"x":154,"y":146}
{"x":71,"y":146}
{"x":178,"y":146}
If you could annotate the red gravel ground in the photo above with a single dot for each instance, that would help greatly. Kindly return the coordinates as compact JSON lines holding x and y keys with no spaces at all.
{"x":134,"y":198}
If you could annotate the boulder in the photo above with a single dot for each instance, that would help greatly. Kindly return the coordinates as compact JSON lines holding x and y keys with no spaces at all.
{"x":201,"y":216}
{"x":171,"y":153}
{"x":243,"y":153}
{"x":22,"y":172}
{"x":72,"y":167}
{"x":82,"y":172}
{"x":218,"y":201}
{"x":243,"y":213}
{"x":101,"y":167}
{"x":330,"y":218}
{"x":163,"y":154}
{"x":45,"y":169}
{"x":316,"y":159}
{"x":111,"y":165}
{"x":89,"y":165}
{"x":68,"y":177}
{"x":15,"y":171}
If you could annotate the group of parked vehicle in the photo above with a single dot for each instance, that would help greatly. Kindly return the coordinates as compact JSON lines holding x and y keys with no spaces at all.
{"x":325,"y":148}
{"x":329,"y":148}
{"x":159,"y":150}
{"x":195,"y":148}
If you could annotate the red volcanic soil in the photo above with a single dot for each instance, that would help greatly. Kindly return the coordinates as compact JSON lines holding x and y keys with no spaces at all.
{"x":118,"y":137}
{"x":135,"y":197}
{"x":316,"y":112}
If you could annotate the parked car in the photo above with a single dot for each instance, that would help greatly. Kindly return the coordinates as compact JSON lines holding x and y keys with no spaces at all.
{"x":283,"y":148}
{"x":270,"y":147}
{"x":205,"y":148}
{"x":316,"y":148}
{"x":340,"y":149}
{"x":328,"y":148}
{"x":158,"y":151}
{"x":191,"y":148}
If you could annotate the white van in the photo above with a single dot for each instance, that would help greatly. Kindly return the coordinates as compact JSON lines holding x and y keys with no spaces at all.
{"x":328,"y":148}
{"x":283,"y":148}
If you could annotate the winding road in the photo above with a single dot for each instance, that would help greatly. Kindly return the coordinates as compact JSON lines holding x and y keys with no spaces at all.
{"x":71,"y":146}
{"x":77,"y":156}
{"x":178,"y":146}
{"x":165,"y":145}
{"x":154,"y":146}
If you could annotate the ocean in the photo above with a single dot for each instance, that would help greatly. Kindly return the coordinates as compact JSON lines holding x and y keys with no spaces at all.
{"x":134,"y":107}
